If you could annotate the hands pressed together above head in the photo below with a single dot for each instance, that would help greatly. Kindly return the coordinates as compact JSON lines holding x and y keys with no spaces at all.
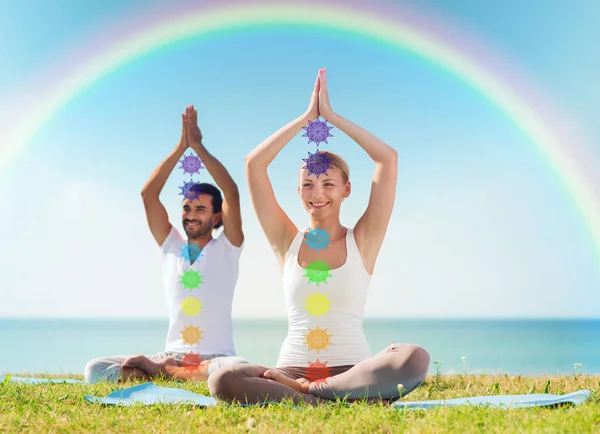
{"x":319,"y":104}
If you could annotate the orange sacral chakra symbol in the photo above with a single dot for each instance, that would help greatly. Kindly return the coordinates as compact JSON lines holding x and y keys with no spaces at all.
{"x":191,"y":335}
{"x":317,"y":339}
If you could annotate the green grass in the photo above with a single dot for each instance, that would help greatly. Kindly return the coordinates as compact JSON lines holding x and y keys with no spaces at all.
{"x":61,"y":408}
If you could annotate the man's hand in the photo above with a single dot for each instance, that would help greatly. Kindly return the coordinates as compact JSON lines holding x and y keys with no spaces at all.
{"x":194,"y":135}
{"x":183,"y":141}
{"x":150,"y":367}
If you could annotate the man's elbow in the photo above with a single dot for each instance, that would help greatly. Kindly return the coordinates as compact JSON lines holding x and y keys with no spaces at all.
{"x":148,"y":194}
{"x":232,"y":193}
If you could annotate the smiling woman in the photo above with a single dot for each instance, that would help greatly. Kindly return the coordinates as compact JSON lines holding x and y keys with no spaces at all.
{"x":399,"y":28}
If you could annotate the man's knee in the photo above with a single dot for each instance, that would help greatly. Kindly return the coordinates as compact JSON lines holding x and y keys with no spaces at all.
{"x":100,"y":369}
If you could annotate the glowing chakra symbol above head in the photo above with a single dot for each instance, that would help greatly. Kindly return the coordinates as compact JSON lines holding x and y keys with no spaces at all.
{"x":317,"y":163}
{"x":191,"y":279}
{"x":190,"y":252}
{"x":317,"y":131}
{"x":318,"y":372}
{"x":189,"y":190}
{"x":317,"y":239}
{"x":191,"y":164}
{"x":317,"y":304}
{"x":317,"y":272}
{"x":191,"y":306}
{"x":191,"y":361}
{"x":191,"y":335}
{"x":317,"y":339}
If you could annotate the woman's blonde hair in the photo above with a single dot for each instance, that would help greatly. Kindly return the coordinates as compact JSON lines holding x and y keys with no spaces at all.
{"x":336,"y":161}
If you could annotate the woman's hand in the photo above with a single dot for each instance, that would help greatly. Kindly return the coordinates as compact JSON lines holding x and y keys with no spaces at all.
{"x":299,"y":385}
{"x":313,"y":107}
{"x":324,"y":105}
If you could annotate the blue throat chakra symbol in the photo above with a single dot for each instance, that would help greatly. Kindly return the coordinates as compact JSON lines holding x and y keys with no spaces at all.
{"x":188,"y":191}
{"x":318,"y":163}
{"x":317,"y":239}
{"x":317,"y":131}
{"x":191,"y":164}
{"x":190,"y":252}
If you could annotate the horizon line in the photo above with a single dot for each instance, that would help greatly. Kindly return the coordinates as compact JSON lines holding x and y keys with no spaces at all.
{"x":448,"y":318}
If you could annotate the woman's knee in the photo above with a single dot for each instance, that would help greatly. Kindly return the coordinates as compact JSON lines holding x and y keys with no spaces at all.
{"x":419,"y":360}
{"x":413,"y":356}
{"x":223,"y":382}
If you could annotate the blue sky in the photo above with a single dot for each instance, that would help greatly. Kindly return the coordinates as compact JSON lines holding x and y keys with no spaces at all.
{"x":481,"y":226}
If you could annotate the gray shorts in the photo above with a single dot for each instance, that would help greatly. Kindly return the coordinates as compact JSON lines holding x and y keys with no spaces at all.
{"x":109,"y":368}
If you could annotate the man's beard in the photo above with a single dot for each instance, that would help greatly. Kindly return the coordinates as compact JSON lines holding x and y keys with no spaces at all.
{"x":199,"y":231}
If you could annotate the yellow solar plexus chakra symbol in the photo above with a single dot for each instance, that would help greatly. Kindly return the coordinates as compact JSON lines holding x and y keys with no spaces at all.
{"x":317,"y":304}
{"x":191,"y":306}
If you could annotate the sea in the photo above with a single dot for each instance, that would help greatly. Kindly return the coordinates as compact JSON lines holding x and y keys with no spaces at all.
{"x":525,"y":347}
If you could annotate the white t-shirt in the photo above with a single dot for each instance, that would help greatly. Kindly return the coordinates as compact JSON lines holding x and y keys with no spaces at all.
{"x":200,"y":295}
{"x":325,"y":322}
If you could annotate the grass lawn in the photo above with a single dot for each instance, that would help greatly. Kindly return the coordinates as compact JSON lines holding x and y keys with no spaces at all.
{"x":61,"y":408}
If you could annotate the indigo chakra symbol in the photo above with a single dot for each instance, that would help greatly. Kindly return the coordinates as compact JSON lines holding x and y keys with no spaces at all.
{"x":317,"y":131}
{"x":191,"y":164}
{"x":190,"y":190}
{"x":318,"y":163}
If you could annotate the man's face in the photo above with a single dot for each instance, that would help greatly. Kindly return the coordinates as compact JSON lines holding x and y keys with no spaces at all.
{"x":197,"y":216}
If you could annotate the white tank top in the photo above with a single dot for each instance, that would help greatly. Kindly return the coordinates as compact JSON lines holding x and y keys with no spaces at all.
{"x":325,"y":320}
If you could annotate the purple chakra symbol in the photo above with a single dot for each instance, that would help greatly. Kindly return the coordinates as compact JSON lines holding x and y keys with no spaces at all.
{"x":317,"y":163}
{"x":317,"y":131}
{"x":189,"y":190}
{"x":191,"y":164}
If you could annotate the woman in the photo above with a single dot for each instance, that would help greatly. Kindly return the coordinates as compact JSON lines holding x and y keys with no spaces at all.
{"x":325,"y":354}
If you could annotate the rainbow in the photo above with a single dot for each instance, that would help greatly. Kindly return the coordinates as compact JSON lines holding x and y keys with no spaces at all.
{"x":359,"y":18}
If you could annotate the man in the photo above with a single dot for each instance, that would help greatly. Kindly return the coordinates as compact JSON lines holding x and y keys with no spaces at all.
{"x":199,"y":274}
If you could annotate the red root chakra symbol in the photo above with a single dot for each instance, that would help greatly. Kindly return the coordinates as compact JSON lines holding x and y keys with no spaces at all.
{"x":318,"y":372}
{"x":191,"y":361}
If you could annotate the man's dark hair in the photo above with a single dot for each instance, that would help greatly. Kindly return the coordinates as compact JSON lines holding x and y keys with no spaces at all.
{"x":215,"y":193}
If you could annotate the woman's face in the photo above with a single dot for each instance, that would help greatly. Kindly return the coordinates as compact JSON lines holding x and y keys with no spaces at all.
{"x":323,"y":196}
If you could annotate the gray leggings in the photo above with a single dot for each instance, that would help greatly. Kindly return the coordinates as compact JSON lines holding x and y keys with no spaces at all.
{"x":377,"y":377}
{"x":109,"y":368}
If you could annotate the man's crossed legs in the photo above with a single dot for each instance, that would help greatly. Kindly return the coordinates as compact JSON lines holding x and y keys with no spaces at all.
{"x":161,"y":364}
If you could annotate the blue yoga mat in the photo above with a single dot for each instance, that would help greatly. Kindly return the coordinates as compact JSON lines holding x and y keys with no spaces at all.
{"x":150,"y":394}
{"x":502,"y":401}
{"x":34,"y":380}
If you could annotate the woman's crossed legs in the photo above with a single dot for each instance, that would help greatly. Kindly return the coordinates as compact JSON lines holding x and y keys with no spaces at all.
{"x":376,"y":377}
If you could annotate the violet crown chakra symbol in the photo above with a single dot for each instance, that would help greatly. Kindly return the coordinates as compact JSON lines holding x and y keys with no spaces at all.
{"x":191,"y":164}
{"x":317,"y":131}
